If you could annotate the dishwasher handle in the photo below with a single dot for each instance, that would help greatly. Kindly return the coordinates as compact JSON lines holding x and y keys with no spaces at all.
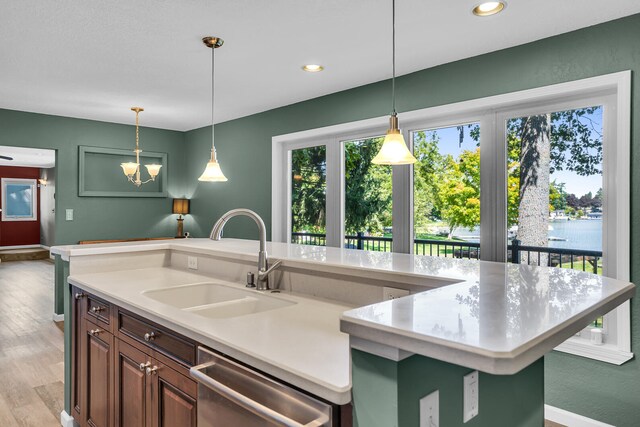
{"x":247,"y":403}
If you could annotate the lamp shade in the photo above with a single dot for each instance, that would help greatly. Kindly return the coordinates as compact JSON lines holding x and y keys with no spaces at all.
{"x":153,"y":169}
{"x":394,"y":151}
{"x":212,"y":172}
{"x":130,"y":168}
{"x":181,"y":206}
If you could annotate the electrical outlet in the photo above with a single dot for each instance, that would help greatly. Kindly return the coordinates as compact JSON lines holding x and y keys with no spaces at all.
{"x":471,"y":389}
{"x":69,"y":215}
{"x":430,"y":410}
{"x":393,"y":293}
{"x":192,"y":262}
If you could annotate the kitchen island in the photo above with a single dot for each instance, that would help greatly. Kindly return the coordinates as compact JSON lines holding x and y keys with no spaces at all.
{"x":461,"y":316}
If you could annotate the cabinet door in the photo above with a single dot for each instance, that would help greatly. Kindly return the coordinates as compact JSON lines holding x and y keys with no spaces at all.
{"x":132,"y":389}
{"x":97,"y":375}
{"x":77,"y":303}
{"x":174,"y":402}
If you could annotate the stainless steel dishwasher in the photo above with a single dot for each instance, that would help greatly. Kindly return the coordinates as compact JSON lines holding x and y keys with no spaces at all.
{"x":231,"y":395}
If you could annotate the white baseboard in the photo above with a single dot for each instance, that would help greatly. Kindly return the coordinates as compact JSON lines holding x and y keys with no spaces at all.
{"x":67,"y":420}
{"x":21,"y":247}
{"x":570,"y":419}
{"x":58,"y":317}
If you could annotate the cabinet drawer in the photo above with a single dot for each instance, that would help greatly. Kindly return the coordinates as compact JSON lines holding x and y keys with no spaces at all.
{"x":161,"y":339}
{"x":98,"y":311}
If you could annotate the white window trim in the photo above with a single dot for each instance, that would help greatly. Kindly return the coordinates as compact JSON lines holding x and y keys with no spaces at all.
{"x":488,"y":111}
{"x":34,"y":190}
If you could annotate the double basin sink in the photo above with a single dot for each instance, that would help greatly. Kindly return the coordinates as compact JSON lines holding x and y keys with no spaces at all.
{"x":216,"y":301}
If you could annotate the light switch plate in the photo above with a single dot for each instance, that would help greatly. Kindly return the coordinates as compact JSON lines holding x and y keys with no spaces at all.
{"x":192,"y":262}
{"x":393,"y":293}
{"x":471,"y":390}
{"x":430,"y":410}
{"x":69,"y":214}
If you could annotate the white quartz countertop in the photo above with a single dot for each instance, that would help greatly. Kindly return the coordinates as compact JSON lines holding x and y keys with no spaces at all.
{"x":494,"y":317}
{"x":300,"y":343}
{"x":499,"y":321}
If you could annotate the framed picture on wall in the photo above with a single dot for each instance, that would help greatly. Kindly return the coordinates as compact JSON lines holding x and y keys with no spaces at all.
{"x":100,"y":173}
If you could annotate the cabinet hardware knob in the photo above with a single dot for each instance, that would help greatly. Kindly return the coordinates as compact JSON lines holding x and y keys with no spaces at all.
{"x":94,"y":332}
{"x":96,"y":309}
{"x":79,"y":295}
{"x":152,"y":371}
{"x":149,"y":336}
{"x":144,"y":365}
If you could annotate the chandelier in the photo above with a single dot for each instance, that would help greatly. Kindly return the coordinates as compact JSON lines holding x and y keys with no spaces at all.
{"x":131,"y":169}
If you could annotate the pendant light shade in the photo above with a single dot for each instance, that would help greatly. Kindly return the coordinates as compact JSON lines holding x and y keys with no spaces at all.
{"x":394,"y":150}
{"x":213,"y":172}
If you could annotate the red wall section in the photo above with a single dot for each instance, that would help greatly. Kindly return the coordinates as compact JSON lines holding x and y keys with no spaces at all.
{"x":14,"y":233}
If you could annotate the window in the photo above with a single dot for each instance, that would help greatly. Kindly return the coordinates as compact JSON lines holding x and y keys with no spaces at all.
{"x":446,"y":191}
{"x":19,"y":199}
{"x":462,"y":201}
{"x":368,"y":201}
{"x":308,"y":195}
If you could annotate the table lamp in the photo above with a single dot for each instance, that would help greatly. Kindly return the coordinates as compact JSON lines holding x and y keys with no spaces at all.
{"x":180,"y":207}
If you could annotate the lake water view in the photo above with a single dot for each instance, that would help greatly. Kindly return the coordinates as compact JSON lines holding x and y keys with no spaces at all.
{"x":577,"y":234}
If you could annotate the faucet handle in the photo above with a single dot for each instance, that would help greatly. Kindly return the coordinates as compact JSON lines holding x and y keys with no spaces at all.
{"x":270,"y":269}
{"x":250,"y":280}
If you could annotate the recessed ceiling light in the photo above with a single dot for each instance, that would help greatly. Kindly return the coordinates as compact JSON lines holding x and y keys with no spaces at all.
{"x":313,"y":68}
{"x":488,"y":8}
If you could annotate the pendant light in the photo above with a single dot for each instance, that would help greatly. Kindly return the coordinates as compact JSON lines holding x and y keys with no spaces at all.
{"x":212,"y":172}
{"x":131,"y":169}
{"x":394,"y":150}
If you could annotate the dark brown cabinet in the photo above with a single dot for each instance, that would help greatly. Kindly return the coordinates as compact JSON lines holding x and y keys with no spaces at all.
{"x":128,"y":371}
{"x":132,"y":389}
{"x":123,"y":379}
{"x":175,"y":404}
{"x":96,"y":375}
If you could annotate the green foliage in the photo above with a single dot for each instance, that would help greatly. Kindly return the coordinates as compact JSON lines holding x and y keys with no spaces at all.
{"x":557,"y":196}
{"x":426,"y":204}
{"x":459,"y":190}
{"x":308,"y":189}
{"x":367,"y":188}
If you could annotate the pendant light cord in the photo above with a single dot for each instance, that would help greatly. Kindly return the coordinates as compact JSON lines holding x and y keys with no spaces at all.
{"x":213,"y":89}
{"x":393,"y":50}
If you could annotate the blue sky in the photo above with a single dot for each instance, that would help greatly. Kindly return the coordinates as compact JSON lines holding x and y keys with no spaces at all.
{"x":574,"y":183}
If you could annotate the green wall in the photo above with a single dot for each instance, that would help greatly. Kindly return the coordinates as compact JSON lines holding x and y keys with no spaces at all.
{"x":594,"y":389}
{"x":99,"y":217}
{"x":388,"y":393}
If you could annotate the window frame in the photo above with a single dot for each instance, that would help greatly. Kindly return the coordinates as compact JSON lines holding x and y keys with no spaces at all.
{"x":491,"y":112}
{"x":33,"y":183}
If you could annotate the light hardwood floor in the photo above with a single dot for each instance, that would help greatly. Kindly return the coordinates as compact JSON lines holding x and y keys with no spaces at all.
{"x":31,"y":346}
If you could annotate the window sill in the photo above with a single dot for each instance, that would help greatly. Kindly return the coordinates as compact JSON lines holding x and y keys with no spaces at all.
{"x":605,"y":353}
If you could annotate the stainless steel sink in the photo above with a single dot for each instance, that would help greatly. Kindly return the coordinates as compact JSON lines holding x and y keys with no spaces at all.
{"x":217,"y":301}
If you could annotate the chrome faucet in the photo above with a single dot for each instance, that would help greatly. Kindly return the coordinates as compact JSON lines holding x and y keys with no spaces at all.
{"x":263,"y":263}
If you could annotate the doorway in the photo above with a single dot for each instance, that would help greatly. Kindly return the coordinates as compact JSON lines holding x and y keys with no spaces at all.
{"x":27,"y":202}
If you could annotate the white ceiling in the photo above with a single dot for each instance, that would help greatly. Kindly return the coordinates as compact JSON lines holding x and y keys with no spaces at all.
{"x":96,"y":59}
{"x":28,"y":157}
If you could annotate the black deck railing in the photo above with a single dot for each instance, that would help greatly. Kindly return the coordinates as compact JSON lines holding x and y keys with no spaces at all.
{"x":309,"y":239}
{"x":577,"y":259}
